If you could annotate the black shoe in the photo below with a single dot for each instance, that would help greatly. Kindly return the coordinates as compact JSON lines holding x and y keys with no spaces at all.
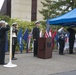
{"x":35,"y":55}
{"x":61,"y":53}
{"x":3,"y":63}
{"x":14,"y":58}
{"x":71,"y":53}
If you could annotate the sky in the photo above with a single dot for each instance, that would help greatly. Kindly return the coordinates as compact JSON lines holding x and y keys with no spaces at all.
{"x":1,"y":3}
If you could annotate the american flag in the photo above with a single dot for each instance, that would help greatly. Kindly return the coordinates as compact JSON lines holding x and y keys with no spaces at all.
{"x":46,"y":35}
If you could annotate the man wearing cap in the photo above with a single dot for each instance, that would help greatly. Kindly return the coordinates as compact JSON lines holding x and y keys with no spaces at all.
{"x":3,"y":29}
{"x":36,"y":33}
{"x":14,"y":39}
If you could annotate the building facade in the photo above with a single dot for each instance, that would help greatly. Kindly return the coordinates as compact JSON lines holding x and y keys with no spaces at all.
{"x":6,"y":8}
{"x":27,"y":10}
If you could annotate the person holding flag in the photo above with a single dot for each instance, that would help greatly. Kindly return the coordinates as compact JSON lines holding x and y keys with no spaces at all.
{"x":3,"y":29}
{"x":36,"y":35}
{"x":14,"y":39}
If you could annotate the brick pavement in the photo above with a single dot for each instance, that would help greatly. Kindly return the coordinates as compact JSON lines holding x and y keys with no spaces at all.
{"x":29,"y":65}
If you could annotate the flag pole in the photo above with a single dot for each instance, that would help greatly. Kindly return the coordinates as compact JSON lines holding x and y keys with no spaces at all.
{"x":10,"y":55}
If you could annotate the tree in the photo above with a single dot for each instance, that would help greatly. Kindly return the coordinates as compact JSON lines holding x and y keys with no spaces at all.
{"x":64,"y":6}
{"x":53,"y":8}
{"x":73,"y":4}
{"x":49,"y":9}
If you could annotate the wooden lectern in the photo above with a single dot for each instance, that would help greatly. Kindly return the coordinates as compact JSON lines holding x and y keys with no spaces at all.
{"x":44,"y":48}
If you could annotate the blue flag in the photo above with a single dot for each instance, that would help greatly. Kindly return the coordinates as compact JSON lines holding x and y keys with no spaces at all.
{"x":6,"y":42}
{"x":25,"y":36}
{"x":47,"y":25}
{"x":19,"y":38}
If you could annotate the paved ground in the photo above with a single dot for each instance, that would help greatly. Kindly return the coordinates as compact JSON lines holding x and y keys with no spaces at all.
{"x":29,"y":65}
{"x":66,"y":73}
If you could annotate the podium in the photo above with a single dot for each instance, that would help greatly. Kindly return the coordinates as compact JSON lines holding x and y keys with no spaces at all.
{"x":45,"y":48}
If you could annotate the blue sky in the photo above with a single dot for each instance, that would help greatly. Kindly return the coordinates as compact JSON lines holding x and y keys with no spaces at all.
{"x":1,"y":3}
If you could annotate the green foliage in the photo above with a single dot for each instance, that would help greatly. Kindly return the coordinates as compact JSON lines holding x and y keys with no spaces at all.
{"x":53,"y":8}
{"x":49,"y":10}
{"x":5,"y":18}
{"x":21,"y":24}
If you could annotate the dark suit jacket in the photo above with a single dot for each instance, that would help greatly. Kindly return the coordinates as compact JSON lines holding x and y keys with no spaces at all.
{"x":36,"y":33}
{"x":72,"y":34}
{"x":3,"y":33}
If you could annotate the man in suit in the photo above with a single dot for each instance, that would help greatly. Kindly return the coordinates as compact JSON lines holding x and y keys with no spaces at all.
{"x":3,"y":29}
{"x":14,"y":39}
{"x":36,"y":34}
{"x":71,"y":39}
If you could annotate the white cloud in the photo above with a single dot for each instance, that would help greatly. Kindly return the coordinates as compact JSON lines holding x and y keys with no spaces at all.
{"x":1,"y":3}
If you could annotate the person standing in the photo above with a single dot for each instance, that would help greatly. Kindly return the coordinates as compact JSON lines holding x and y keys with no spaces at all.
{"x":3,"y":29}
{"x":71,"y":39}
{"x":61,"y":40}
{"x":36,"y":33}
{"x":14,"y":39}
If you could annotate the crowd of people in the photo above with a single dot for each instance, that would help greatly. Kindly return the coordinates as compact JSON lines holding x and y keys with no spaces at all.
{"x":61,"y":34}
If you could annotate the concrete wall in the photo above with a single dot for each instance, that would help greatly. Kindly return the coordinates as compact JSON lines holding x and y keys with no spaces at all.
{"x":39,"y":7}
{"x":21,"y":9}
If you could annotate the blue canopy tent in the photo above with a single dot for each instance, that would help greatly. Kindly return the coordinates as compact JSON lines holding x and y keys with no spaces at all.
{"x":65,"y":20}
